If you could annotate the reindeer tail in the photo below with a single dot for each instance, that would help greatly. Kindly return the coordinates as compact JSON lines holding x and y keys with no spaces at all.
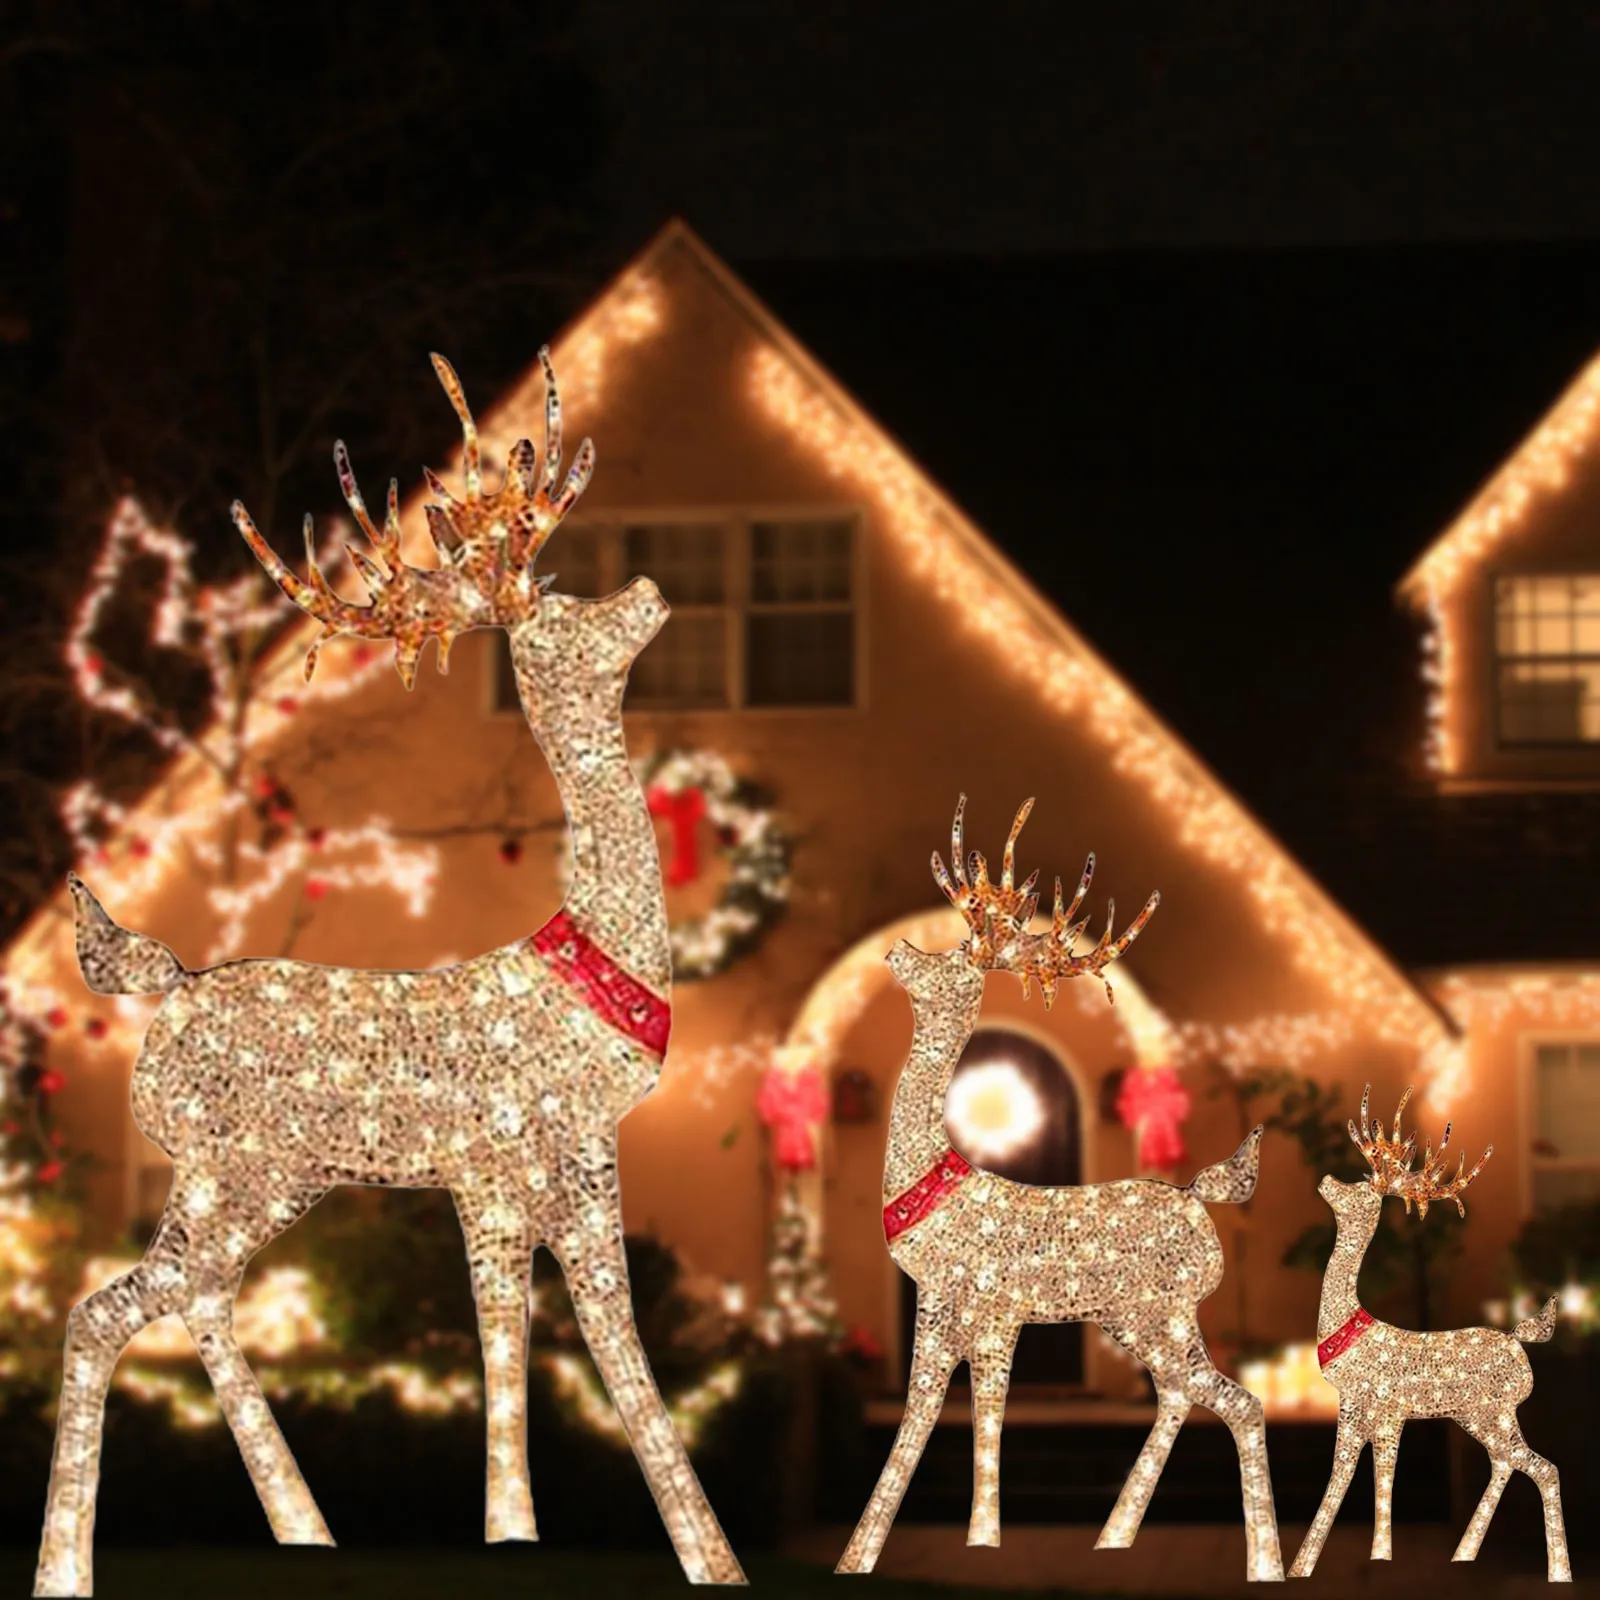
{"x":1535,"y":1330}
{"x":1234,"y":1180}
{"x":115,"y":961}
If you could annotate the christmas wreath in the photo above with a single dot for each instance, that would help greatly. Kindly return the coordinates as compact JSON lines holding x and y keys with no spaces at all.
{"x":686,"y":787}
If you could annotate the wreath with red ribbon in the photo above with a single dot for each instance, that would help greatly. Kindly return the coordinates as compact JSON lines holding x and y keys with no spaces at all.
{"x":687,"y":788}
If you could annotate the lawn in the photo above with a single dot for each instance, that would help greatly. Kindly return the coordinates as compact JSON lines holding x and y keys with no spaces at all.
{"x":273,"y":1574}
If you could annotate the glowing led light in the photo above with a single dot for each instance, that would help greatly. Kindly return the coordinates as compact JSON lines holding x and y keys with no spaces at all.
{"x":554,"y":1023}
{"x":1541,"y":466}
{"x":992,"y":1109}
{"x":1386,"y":1375}
{"x":989,"y":1255}
{"x":1063,"y":674}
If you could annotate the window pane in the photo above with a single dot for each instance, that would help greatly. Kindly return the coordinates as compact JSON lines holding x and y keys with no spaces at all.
{"x":800,"y":658}
{"x":684,"y":558}
{"x":573,"y":555}
{"x":1554,"y":704}
{"x":798,"y":561}
{"x":1567,"y":1085}
{"x":684,"y":665}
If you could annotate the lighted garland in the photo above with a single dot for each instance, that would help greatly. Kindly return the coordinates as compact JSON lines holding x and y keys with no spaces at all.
{"x":684,"y":786}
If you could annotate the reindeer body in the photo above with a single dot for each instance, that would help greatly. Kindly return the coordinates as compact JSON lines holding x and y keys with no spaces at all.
{"x":501,"y":1078}
{"x":989,"y":1255}
{"x":1385,"y":1375}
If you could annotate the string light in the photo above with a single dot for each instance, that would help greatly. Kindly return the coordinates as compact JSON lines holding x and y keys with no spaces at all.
{"x":1541,"y":466}
{"x":1063,"y":674}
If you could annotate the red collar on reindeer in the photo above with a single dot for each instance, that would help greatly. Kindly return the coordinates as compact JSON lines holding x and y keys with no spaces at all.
{"x":909,"y":1207}
{"x":1342,"y":1338}
{"x":613,"y":994}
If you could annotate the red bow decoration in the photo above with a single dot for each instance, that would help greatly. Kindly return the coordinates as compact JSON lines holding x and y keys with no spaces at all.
{"x":1154,"y":1104}
{"x":683,"y":809}
{"x":791,"y":1104}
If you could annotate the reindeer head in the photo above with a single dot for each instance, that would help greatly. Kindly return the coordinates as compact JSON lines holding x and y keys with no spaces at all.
{"x":997,"y":917}
{"x":1391,"y":1158}
{"x":487,"y":544}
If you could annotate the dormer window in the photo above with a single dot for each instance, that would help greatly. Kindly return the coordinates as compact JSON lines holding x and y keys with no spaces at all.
{"x":1547,"y":659}
{"x":765,"y":610}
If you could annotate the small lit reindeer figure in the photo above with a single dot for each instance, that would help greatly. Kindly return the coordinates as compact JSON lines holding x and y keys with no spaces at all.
{"x":502,"y":1078}
{"x":1387,"y":1375}
{"x":989,"y":1255}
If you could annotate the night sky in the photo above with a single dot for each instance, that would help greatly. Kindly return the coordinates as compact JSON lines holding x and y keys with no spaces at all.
{"x":1257,"y":294}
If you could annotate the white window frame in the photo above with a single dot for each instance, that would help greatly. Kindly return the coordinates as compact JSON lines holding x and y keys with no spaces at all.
{"x":1497,"y":659}
{"x":1528,"y":1075}
{"x":609,"y":529}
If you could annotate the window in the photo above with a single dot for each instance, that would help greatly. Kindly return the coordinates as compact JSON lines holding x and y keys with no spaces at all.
{"x":1565,"y":1158}
{"x":764,"y":610}
{"x":1547,"y":659}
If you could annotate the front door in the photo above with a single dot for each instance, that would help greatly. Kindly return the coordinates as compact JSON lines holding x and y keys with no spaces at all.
{"x":1013,"y":1110}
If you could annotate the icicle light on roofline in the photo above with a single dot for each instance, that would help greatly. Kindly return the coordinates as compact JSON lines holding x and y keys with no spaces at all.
{"x":1203,"y":818}
{"x":1542,"y":465}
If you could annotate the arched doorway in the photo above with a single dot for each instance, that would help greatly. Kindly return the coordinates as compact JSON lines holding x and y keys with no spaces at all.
{"x":1013,"y":1109}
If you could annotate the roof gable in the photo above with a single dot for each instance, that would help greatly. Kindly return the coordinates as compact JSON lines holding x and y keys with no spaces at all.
{"x":1541,"y":467}
{"x":976,"y":584}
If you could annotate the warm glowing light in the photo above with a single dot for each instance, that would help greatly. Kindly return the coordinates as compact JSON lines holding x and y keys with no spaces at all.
{"x":1063,"y":674}
{"x":992,"y":1110}
{"x":1541,"y":466}
{"x":1291,"y":1383}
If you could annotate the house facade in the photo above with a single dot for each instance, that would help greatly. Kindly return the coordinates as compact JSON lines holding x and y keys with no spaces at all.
{"x":847,"y":641}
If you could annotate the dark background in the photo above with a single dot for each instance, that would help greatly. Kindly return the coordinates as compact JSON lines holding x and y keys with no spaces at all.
{"x":1259,"y":294}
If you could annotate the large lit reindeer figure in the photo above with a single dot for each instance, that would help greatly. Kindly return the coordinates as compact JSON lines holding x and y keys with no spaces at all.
{"x":1387,"y":1375}
{"x":502,"y":1078}
{"x":989,"y":1255}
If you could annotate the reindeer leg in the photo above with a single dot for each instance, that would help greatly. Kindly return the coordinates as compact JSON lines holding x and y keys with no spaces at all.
{"x":99,"y":1328}
{"x":1508,"y":1451}
{"x":500,"y":1248}
{"x":1247,"y":1422}
{"x":991,"y":1376}
{"x":1472,"y":1539}
{"x":933,"y":1359}
{"x":215,"y":1268}
{"x":1385,"y":1448}
{"x":591,"y":1254}
{"x":1122,"y":1526}
{"x":1347,"y":1447}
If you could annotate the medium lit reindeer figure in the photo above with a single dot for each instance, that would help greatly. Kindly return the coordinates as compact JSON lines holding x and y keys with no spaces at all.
{"x":502,"y":1078}
{"x":989,"y":1255}
{"x":1386,"y":1375}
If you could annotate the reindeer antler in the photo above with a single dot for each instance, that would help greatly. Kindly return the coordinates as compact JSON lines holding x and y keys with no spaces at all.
{"x":998,"y":916}
{"x":1390,"y":1160}
{"x":487,"y":544}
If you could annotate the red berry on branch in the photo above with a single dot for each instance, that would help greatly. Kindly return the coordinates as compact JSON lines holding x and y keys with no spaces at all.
{"x":282,"y":815}
{"x":96,"y":1028}
{"x":139,"y":846}
{"x":511,"y":851}
{"x":288,"y":705}
{"x":49,"y":1172}
{"x":93,"y":663}
{"x":52,"y":1082}
{"x":363,"y":654}
{"x":57,"y":1017}
{"x":266,"y":786}
{"x":316,"y":837}
{"x":316,"y":888}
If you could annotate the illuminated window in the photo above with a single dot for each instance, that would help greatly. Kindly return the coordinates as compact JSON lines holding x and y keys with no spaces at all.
{"x":764,"y":610}
{"x":1566,"y":1123}
{"x":1547,"y":659}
